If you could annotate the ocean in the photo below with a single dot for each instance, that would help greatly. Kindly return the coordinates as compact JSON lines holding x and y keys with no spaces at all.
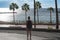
{"x":44,"y":16}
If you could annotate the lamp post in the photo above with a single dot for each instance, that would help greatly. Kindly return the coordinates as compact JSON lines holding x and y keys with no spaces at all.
{"x":57,"y":20}
{"x":34,"y":15}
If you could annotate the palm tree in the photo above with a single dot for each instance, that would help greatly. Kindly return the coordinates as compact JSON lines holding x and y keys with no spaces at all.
{"x":34,"y":15}
{"x":37,"y":5}
{"x":13,"y":6}
{"x":57,"y":18}
{"x":51,"y":10}
{"x":25,"y":7}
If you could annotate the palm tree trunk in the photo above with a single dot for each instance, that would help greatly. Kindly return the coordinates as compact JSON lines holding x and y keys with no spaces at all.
{"x":50,"y":17}
{"x":57,"y":20}
{"x":37,"y":17}
{"x":25,"y":16}
{"x":34,"y":15}
{"x":13,"y":17}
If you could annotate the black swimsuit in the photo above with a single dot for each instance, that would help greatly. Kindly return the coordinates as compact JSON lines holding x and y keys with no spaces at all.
{"x":29,"y":25}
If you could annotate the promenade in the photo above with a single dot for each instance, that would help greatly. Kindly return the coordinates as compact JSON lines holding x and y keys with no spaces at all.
{"x":21,"y":35}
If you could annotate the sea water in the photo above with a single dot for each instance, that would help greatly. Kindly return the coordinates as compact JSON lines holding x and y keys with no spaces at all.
{"x":44,"y":16}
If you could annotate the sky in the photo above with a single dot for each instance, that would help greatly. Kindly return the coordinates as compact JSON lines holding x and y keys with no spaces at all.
{"x":4,"y":6}
{"x":44,"y":3}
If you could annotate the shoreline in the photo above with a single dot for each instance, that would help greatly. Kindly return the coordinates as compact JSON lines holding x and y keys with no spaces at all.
{"x":25,"y":24}
{"x":37,"y":29}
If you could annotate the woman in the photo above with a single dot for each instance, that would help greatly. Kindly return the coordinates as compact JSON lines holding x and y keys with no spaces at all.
{"x":29,"y":27}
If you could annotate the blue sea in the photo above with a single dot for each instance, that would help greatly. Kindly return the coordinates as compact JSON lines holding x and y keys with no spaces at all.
{"x":44,"y":16}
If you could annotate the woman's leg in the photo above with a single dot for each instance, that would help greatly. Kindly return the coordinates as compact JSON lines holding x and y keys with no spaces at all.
{"x":30,"y":34}
{"x":27,"y":34}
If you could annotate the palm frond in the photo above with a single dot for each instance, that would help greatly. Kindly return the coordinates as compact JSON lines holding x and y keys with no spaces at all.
{"x":50,"y":8}
{"x":37,"y":4}
{"x":25,"y":7}
{"x":13,"y":6}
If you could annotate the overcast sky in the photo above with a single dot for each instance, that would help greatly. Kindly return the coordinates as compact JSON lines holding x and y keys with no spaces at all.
{"x":44,"y":3}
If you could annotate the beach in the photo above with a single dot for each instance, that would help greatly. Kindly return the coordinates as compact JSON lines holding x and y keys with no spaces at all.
{"x":37,"y":26}
{"x":24,"y":26}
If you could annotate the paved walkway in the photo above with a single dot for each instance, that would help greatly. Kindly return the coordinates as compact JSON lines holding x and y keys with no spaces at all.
{"x":14,"y":36}
{"x":21,"y":35}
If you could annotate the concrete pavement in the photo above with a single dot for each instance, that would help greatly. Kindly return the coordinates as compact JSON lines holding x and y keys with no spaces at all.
{"x":21,"y":35}
{"x":14,"y":36}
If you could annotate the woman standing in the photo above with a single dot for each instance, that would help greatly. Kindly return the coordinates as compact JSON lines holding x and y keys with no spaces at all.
{"x":29,"y":27}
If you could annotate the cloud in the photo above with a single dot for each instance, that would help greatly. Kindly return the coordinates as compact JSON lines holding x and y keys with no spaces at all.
{"x":45,"y":3}
{"x":4,"y":0}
